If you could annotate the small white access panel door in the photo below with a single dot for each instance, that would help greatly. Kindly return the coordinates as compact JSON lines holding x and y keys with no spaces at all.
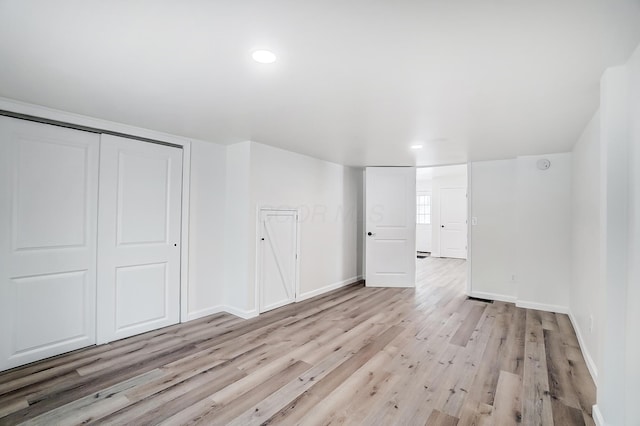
{"x":48,"y":211}
{"x":138,"y":237}
{"x":390,"y":227}
{"x":453,"y":222}
{"x":277,"y":258}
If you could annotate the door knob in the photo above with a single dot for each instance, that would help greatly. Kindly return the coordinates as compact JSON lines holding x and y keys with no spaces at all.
{"x":369,"y":233}
{"x":441,"y":226}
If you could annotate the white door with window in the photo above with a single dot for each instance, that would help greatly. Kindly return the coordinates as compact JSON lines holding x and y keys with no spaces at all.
{"x":277,"y":258}
{"x":423,"y":222}
{"x":48,"y":211}
{"x":390,"y":226}
{"x":138,"y":237}
{"x":453,"y":222}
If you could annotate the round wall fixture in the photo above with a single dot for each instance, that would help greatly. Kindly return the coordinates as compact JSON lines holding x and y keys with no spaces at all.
{"x":543,"y":164}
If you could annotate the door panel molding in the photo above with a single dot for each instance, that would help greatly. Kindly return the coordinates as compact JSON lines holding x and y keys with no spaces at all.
{"x":453,"y":222}
{"x":133,"y":297}
{"x":48,"y":211}
{"x":390,"y":226}
{"x":269,"y":248}
{"x":23,"y":111}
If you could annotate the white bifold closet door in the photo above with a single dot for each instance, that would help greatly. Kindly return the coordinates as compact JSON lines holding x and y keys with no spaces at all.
{"x":48,"y":212}
{"x":138,"y":237}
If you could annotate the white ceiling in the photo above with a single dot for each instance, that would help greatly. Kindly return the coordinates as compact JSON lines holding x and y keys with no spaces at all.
{"x":430,"y":173}
{"x":356,"y":82}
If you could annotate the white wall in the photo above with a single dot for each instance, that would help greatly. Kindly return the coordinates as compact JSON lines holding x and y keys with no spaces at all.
{"x":614,"y":156}
{"x":206,"y":229}
{"x":329,"y":197}
{"x":521,"y":245}
{"x":587,"y":293}
{"x":493,"y":242}
{"x":618,"y":394}
{"x":543,"y":237}
{"x":583,"y":212}
{"x":632,"y":367}
{"x":237,"y":224}
{"x":424,"y":232}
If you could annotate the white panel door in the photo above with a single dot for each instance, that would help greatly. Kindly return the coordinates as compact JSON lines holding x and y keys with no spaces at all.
{"x":48,"y":210}
{"x":138,"y":237}
{"x":277,"y":258}
{"x":453,"y":222}
{"x":390,"y":227}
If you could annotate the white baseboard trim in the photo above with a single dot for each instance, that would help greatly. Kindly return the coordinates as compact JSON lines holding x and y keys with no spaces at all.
{"x":242,"y":313}
{"x":583,"y":348}
{"x":597,"y":416}
{"x":205,"y":312}
{"x":493,"y":296}
{"x":327,"y":288}
{"x":251,"y":313}
{"x":542,"y":307}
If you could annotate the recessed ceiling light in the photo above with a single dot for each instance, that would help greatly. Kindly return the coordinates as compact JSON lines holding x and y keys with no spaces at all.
{"x":416,"y":146}
{"x":264,"y":56}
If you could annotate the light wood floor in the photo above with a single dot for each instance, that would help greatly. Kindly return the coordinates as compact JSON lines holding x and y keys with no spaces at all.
{"x":357,"y":356}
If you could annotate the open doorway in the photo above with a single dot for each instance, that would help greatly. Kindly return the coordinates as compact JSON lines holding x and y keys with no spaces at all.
{"x":441,"y":220}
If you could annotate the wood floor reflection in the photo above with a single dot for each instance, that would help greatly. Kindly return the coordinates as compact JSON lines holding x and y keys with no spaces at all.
{"x":355,"y":356}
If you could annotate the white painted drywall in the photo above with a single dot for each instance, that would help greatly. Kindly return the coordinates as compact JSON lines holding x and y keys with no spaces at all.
{"x":614,"y":156}
{"x":543,"y":234}
{"x":632,"y":367}
{"x":521,"y":244}
{"x":206,"y":229}
{"x":458,"y":180}
{"x":237,"y":228}
{"x":329,"y":197}
{"x":423,"y":232}
{"x":493,"y":236}
{"x":355,"y":81}
{"x":587,"y":293}
{"x":599,"y":228}
{"x":618,"y":394}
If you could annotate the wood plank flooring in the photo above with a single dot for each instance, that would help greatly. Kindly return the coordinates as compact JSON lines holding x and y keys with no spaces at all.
{"x":423,"y":356}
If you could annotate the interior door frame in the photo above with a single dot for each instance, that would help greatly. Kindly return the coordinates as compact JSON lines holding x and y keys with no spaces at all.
{"x":430,"y":194}
{"x":469,"y":289}
{"x":45,"y":115}
{"x":469,"y":227}
{"x":258,"y":267}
